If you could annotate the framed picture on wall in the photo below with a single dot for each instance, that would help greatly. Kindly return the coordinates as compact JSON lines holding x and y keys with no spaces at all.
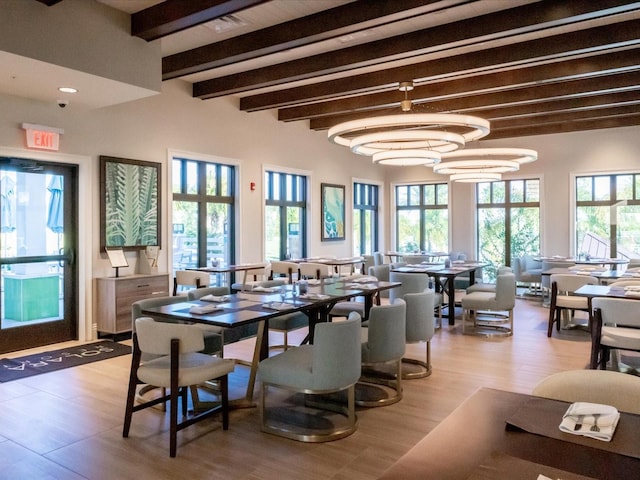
{"x":333,"y":213}
{"x":129,"y":203}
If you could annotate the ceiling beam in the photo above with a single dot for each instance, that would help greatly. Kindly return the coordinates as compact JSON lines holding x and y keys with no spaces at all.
{"x":539,"y":50}
{"x":474,"y":31}
{"x":605,"y":64}
{"x":173,"y":16}
{"x":327,"y":24}
{"x":522,"y":96}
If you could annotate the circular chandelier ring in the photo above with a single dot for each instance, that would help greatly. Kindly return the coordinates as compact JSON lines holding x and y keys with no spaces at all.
{"x":475,"y":177}
{"x":520,"y":155}
{"x":476,"y":127}
{"x":407,"y":157}
{"x":480,"y":166}
{"x":407,"y":139}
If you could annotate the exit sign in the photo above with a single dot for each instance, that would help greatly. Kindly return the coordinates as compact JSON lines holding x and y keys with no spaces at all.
{"x":42,"y":137}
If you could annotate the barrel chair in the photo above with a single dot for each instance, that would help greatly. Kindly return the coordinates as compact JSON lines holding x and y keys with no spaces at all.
{"x":488,"y":287}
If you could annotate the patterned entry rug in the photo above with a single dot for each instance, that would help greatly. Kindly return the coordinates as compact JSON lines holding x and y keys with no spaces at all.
{"x":23,"y":367}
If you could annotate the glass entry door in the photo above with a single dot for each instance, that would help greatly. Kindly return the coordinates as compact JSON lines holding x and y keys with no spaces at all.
{"x":38,"y":240}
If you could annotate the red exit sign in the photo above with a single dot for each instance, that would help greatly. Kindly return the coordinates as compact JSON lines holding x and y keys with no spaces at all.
{"x":43,"y":138}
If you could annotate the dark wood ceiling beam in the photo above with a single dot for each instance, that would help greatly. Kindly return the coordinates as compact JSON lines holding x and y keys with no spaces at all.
{"x":335,"y":22}
{"x":544,"y":49}
{"x":626,"y":60}
{"x":503,"y":24}
{"x":558,"y":105}
{"x":566,"y":127}
{"x":560,"y":117}
{"x":172,"y":16}
{"x":521,"y":96}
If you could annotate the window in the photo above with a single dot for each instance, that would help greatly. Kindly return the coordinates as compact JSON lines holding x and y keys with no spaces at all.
{"x":422,"y":218}
{"x":365,"y":218}
{"x":285,"y":216}
{"x":508,"y":215}
{"x":203,"y":213}
{"x":608,"y":215}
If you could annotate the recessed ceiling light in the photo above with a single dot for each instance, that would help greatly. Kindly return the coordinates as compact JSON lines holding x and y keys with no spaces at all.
{"x":68,"y":89}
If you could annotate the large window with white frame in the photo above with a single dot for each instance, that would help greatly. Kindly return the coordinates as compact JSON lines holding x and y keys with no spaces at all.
{"x":203,"y":212}
{"x":607,"y":214}
{"x":285,"y":215}
{"x":508,"y":214}
{"x":422,"y":217}
{"x":365,"y":218}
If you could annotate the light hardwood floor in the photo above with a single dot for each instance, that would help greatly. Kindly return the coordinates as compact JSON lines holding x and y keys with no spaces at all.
{"x":68,"y":424}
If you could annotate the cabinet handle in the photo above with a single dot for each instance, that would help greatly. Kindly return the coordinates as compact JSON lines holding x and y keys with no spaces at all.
{"x":142,"y":286}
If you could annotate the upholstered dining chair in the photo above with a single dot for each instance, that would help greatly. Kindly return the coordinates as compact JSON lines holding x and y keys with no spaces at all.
{"x":490,"y":311}
{"x":378,"y":259}
{"x":617,"y":389}
{"x":528,"y":271}
{"x":332,"y":364}
{"x":414,"y":283}
{"x":420,"y":328}
{"x":187,"y":279}
{"x":252,"y":278}
{"x":562,"y":297}
{"x":616,"y":326}
{"x":383,"y":343}
{"x":311,"y":270}
{"x":287,"y":270}
{"x":488,"y":287}
{"x":176,"y":365}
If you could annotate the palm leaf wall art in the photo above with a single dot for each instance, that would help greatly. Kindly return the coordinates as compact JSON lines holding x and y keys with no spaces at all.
{"x":130,"y":206}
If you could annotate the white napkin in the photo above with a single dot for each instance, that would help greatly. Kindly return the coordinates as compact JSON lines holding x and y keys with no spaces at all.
{"x":580,"y":415}
{"x":314,"y":296}
{"x":215,"y":298}
{"x":277,"y":306}
{"x":364,"y":279}
{"x":264,"y":289}
{"x":313,"y":281}
{"x":204,"y":309}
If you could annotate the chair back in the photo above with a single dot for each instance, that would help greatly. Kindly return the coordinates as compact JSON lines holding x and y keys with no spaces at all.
{"x":381,"y":272}
{"x":154,"y":338}
{"x":620,"y":390}
{"x":314,"y":270}
{"x":412,"y":259}
{"x":284,"y":269}
{"x":568,"y":283}
{"x":506,"y":291}
{"x":625,"y":283}
{"x":198,"y":293}
{"x":252,"y":277}
{"x":378,"y":258}
{"x":188,"y":279}
{"x":617,"y":311}
{"x":420,"y":324}
{"x":386,"y":338}
{"x":368,"y":262}
{"x":337,"y":361}
{"x":411,"y":283}
{"x":137,"y":307}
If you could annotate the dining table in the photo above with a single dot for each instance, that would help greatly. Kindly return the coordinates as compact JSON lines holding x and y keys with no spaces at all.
{"x":445,"y":279}
{"x":336,"y":263}
{"x":258,"y":306}
{"x":500,"y":435}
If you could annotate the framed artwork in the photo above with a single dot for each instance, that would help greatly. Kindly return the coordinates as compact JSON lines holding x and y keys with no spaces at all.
{"x":129,"y":203}
{"x":332,"y":212}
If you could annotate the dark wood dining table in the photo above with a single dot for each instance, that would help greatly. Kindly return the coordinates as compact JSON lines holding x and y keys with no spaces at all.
{"x":445,"y":279}
{"x":245,"y":308}
{"x":502,"y":435}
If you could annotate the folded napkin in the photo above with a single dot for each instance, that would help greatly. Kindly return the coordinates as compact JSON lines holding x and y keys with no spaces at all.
{"x":361,"y":286}
{"x":203,"y":310}
{"x":582,"y":416}
{"x":314,"y":296}
{"x":458,"y":261}
{"x":264,"y":289}
{"x":277,"y":306}
{"x":632,"y":288}
{"x":364,"y":279}
{"x":313,"y":281}
{"x":215,"y":298}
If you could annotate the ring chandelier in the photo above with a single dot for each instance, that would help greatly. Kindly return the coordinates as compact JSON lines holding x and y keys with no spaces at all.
{"x":411,"y":139}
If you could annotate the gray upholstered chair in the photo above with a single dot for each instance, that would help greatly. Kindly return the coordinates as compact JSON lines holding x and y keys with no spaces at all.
{"x":411,"y":283}
{"x":616,"y":326}
{"x":563,"y":299}
{"x":378,"y":259}
{"x":369,"y":261}
{"x":528,"y":271}
{"x":185,"y":280}
{"x":285,"y":323}
{"x":488,"y":287}
{"x":490,"y":311}
{"x":617,"y":389}
{"x":343,"y":309}
{"x":383,"y":343}
{"x":174,"y":364}
{"x":332,"y":364}
{"x":420,"y":328}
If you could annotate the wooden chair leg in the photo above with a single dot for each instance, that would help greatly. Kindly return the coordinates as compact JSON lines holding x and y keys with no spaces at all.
{"x":133,"y":383}
{"x":224,"y":394}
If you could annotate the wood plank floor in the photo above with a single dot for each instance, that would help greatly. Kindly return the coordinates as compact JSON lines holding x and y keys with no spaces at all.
{"x":68,"y":424}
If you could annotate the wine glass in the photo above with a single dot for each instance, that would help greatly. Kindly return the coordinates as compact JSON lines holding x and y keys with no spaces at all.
{"x":283,"y":293}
